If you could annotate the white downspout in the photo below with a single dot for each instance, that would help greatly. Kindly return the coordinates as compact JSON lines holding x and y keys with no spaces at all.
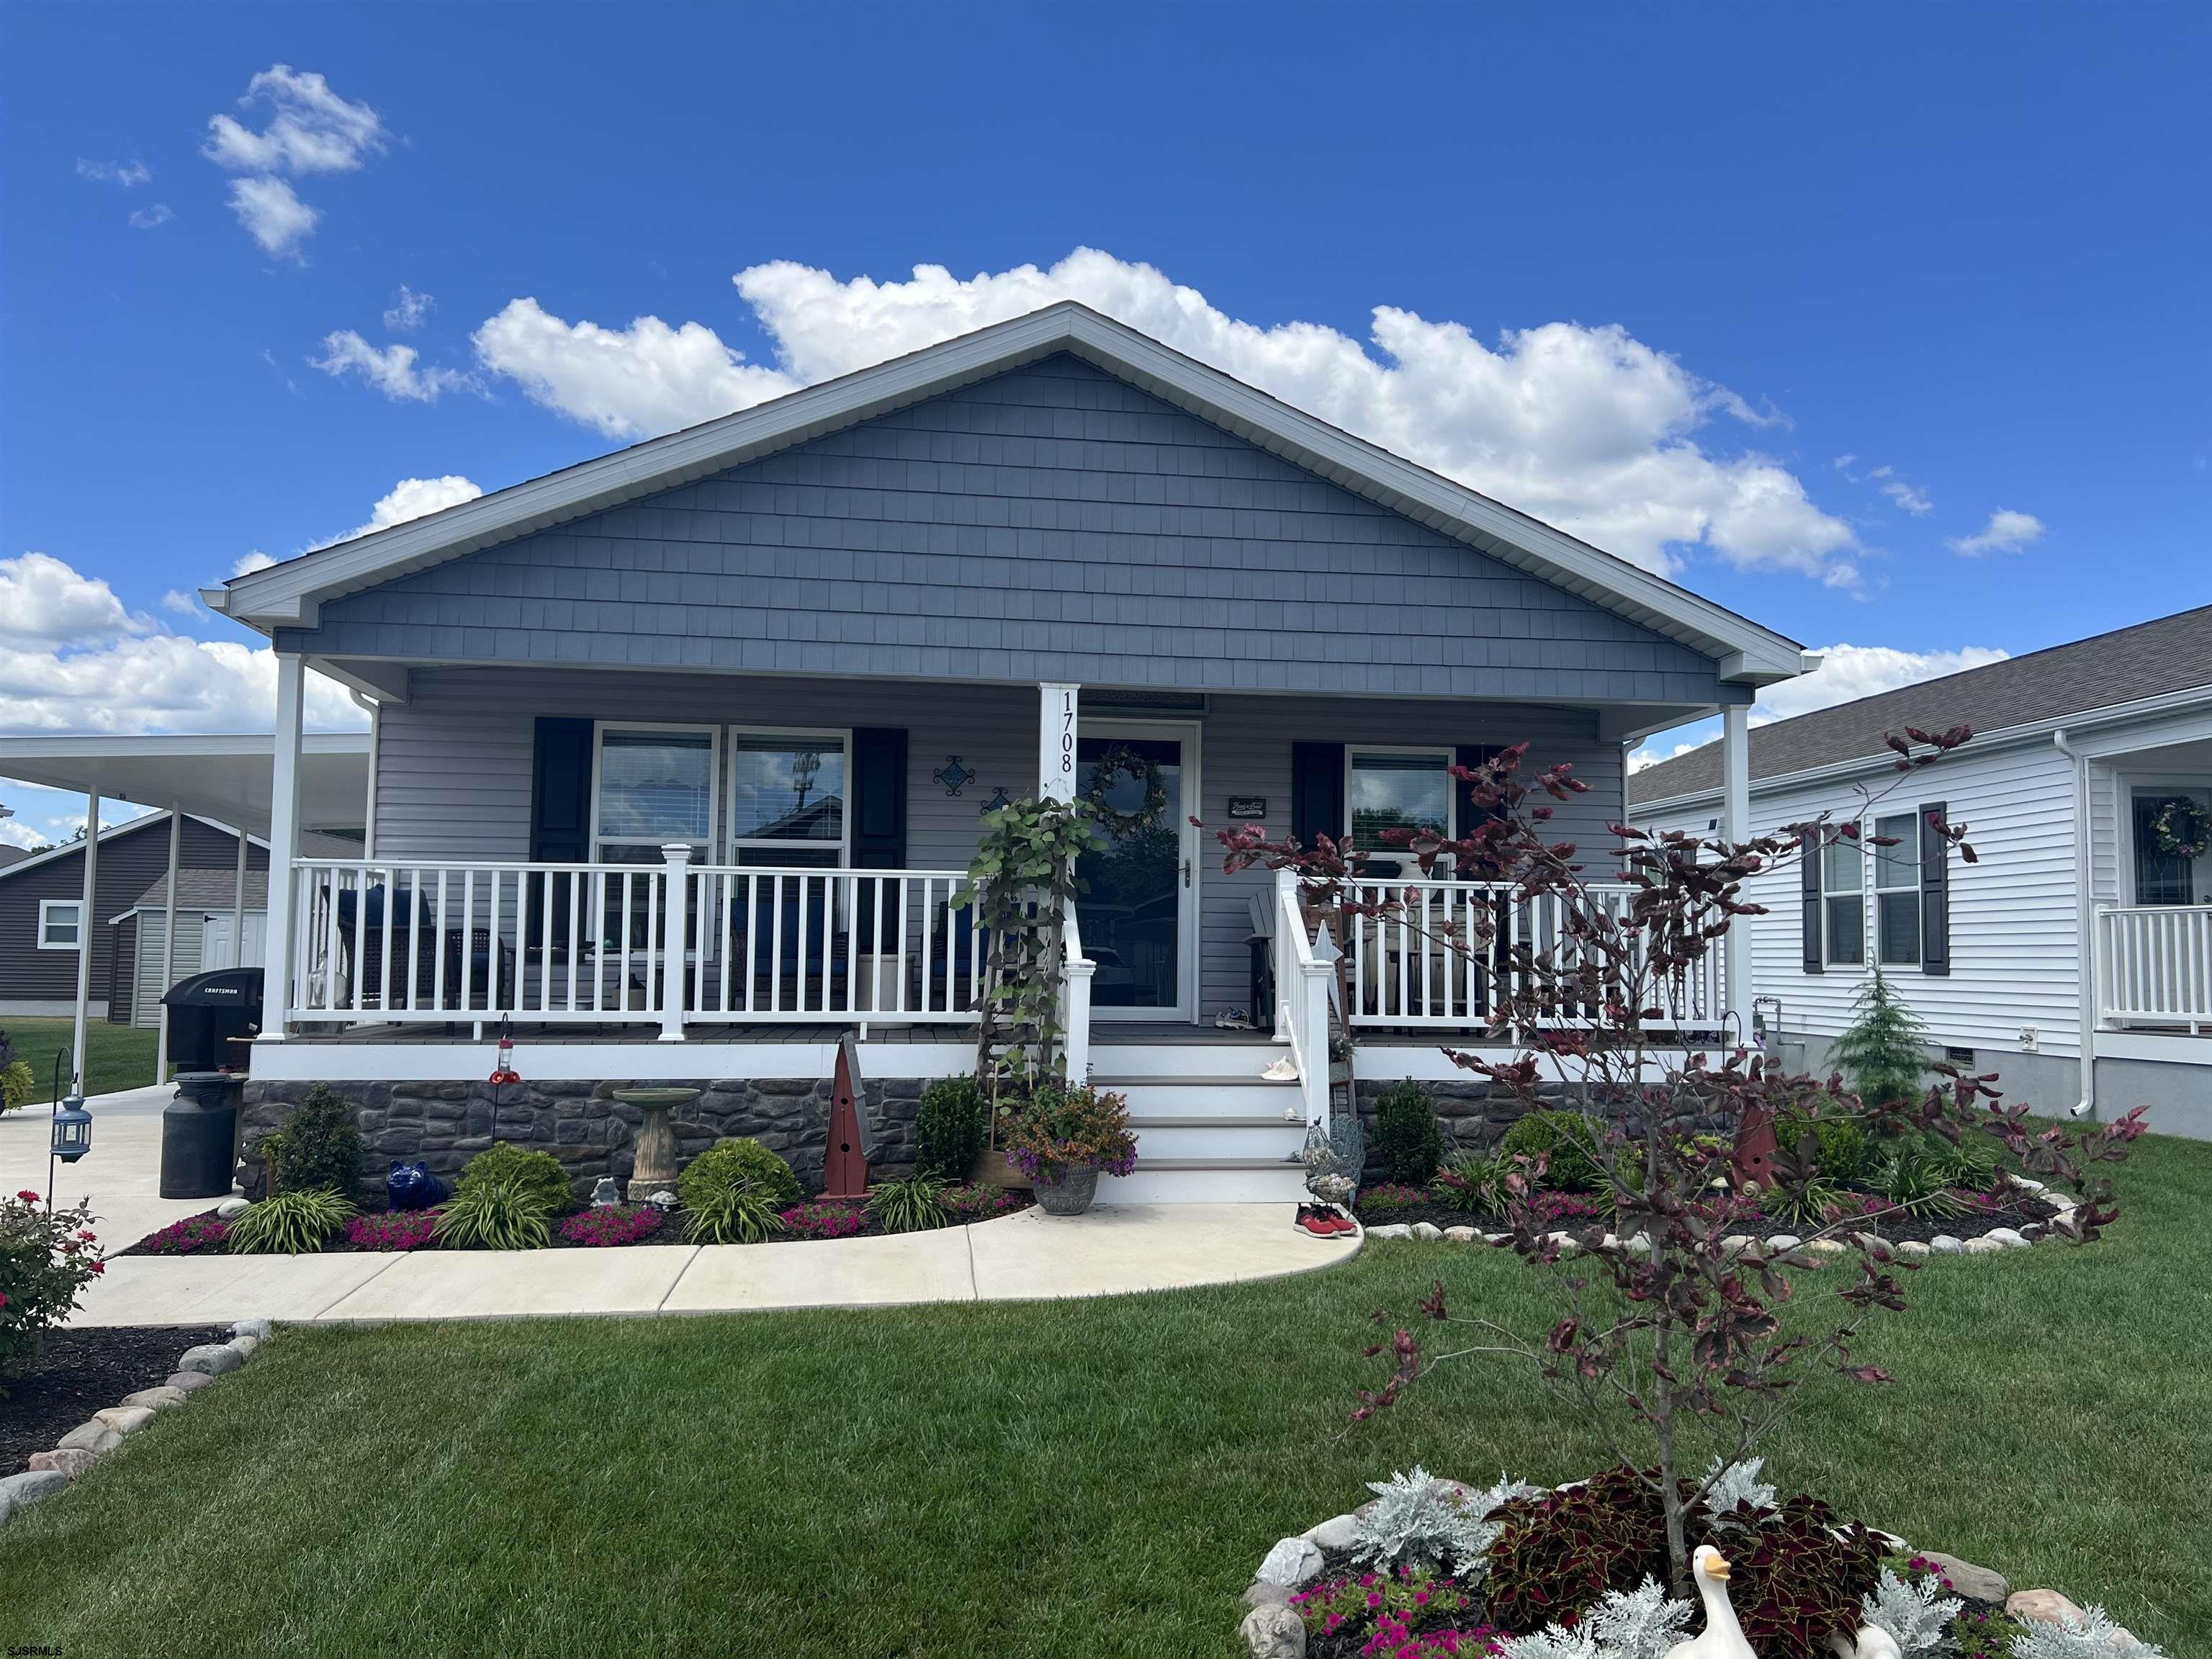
{"x":2084,"y":929}
{"x":374,"y":710}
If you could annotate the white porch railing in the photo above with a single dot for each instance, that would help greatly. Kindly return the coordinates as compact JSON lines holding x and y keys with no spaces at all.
{"x":1302,"y":998}
{"x":379,"y":942}
{"x":2155,"y":965}
{"x":1075,"y":972}
{"x":1418,"y":967}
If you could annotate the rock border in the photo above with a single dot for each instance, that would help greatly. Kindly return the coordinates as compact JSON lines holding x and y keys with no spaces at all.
{"x":1816,"y":1254}
{"x":105,"y":1430}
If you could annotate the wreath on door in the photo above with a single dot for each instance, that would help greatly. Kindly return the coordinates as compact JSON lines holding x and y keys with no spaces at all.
{"x":2183,"y":828}
{"x":1119,"y":762}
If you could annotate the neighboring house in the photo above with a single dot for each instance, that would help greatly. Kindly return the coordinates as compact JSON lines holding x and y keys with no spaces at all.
{"x":680,"y":755}
{"x":13,"y":855}
{"x":41,"y":898}
{"x":2075,"y":958}
{"x":209,"y":923}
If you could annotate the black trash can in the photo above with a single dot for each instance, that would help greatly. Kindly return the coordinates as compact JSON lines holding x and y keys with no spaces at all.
{"x":206,"y":1011}
{"x":199,"y":1129}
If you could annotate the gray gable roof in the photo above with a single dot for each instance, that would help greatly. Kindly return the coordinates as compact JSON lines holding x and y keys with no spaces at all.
{"x":2172,"y":653}
{"x":292,"y":595}
{"x":200,"y":890}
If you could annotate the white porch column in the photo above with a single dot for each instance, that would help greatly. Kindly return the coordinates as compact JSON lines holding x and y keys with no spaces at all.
{"x":1056,"y":741}
{"x":84,"y":925}
{"x":168,"y":951}
{"x":238,"y":903}
{"x":675,"y":928}
{"x":1735,"y":825}
{"x":283,"y":846}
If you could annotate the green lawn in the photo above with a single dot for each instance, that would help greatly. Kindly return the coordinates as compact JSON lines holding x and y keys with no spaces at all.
{"x":1071,"y":1480}
{"x":115,"y":1056}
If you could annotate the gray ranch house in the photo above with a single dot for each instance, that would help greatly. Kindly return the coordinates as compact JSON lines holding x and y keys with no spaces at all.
{"x":679,"y":755}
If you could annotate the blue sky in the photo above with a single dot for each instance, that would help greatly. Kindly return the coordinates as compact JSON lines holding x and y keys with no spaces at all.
{"x":1652,"y":273}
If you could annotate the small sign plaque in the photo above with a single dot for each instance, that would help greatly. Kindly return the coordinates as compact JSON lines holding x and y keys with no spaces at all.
{"x":1248,"y":806}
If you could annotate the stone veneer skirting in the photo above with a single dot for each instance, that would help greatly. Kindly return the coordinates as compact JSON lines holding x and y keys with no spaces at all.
{"x":443,"y":1125}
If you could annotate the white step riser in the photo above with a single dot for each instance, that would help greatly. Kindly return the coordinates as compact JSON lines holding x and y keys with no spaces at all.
{"x":1286,"y":1185}
{"x":1171,"y":1060}
{"x":1219,"y":1142}
{"x":1214,"y":1100}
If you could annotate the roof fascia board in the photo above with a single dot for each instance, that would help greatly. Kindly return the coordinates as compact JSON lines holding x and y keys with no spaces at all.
{"x":286,"y":594}
{"x":2004,"y":736}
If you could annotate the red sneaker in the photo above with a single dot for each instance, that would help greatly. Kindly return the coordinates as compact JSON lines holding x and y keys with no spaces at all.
{"x":1339,"y":1223}
{"x":1312,"y":1221}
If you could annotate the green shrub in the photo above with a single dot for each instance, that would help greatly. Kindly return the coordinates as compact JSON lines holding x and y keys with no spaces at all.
{"x":318,"y":1149}
{"x":916,"y":1206}
{"x":500,"y":1212}
{"x":734,"y":1212}
{"x":1405,"y":1134}
{"x":1472,"y":1184}
{"x":297,"y":1221}
{"x":534,"y":1170}
{"x":16,"y":1082}
{"x":1564,"y":1138}
{"x":1845,"y":1153}
{"x":727,"y":1163}
{"x":948,"y":1130}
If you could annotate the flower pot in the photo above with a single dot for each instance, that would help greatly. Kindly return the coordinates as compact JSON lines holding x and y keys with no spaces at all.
{"x":995,"y":1169}
{"x":1071,"y":1195}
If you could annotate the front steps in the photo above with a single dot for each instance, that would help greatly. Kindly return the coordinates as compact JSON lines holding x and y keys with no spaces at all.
{"x":1209,"y":1129}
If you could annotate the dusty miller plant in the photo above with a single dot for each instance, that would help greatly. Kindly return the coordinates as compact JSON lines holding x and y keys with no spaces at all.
{"x":1915,"y":1615}
{"x":1660,"y":1322}
{"x":1737,"y":1485}
{"x":2092,"y":1636}
{"x":1425,"y":1522}
{"x":1639,"y":1624}
{"x":1023,"y":882}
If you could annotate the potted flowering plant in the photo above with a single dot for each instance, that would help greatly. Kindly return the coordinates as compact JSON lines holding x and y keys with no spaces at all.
{"x":1063,"y":1138}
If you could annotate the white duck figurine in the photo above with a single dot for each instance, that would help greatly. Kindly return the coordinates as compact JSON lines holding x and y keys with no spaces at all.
{"x":1872,"y":1641}
{"x":1723,"y":1637}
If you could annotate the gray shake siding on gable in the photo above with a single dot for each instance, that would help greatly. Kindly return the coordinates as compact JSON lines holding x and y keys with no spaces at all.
{"x":454,"y":778}
{"x":1054,"y":523}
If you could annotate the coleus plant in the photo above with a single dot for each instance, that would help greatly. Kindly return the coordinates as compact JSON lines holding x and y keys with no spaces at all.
{"x":1661,"y":1317}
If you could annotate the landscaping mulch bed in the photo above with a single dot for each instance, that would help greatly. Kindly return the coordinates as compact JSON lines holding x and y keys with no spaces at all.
{"x":671,"y":1231}
{"x":1895,"y":1228}
{"x":80,"y":1373}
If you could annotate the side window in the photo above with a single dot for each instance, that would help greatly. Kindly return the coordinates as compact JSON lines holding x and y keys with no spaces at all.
{"x":1843,"y":903}
{"x":58,"y":924}
{"x":1897,"y":890}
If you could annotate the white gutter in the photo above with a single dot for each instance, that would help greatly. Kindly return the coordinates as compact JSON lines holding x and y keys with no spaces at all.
{"x":2085,"y":924}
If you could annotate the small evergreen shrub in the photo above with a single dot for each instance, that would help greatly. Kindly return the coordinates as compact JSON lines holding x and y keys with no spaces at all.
{"x":1563,"y":1140}
{"x":502,"y":1213}
{"x":1406,"y":1138}
{"x":948,"y":1129}
{"x":725,"y":1164}
{"x":1884,"y":1050}
{"x":318,"y":1149}
{"x":535,"y":1170}
{"x":913,"y":1206}
{"x":296,"y":1221}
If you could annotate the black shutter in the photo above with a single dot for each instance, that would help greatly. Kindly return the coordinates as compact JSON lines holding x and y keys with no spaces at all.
{"x":878,"y":802}
{"x":560,"y":811}
{"x":1935,"y":892}
{"x":1808,"y":893}
{"x":878,"y":809}
{"x":1317,"y":791}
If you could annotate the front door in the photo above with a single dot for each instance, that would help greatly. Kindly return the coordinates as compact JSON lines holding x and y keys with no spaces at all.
{"x":1138,"y":907}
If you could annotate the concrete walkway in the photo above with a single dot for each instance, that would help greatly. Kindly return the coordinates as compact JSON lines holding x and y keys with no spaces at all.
{"x":1020,"y":1257}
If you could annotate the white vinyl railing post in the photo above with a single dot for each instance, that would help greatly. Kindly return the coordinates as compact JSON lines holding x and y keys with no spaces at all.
{"x":675,"y":903}
{"x":1302,"y":992}
{"x":1075,"y":972}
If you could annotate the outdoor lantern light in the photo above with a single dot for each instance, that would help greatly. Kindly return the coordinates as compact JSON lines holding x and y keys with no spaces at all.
{"x":72,"y":1130}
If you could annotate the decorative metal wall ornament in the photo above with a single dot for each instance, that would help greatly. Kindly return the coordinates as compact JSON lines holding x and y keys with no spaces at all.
{"x":1119,"y":761}
{"x":1000,"y":801}
{"x":953,"y":775}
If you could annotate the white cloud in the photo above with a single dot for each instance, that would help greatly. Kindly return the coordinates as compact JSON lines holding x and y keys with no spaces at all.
{"x":183,"y":604}
{"x":2007,"y":532}
{"x":409,"y":311}
{"x":273,"y":216}
{"x":637,"y":382}
{"x":410,"y":498}
{"x":129,"y":174}
{"x":249,"y":562}
{"x":1642,"y":757}
{"x":1584,"y":427}
{"x":391,"y":371}
{"x":1911,"y":497}
{"x":14,"y":832}
{"x":153,"y":214}
{"x":43,"y":600}
{"x":1848,"y":672}
{"x":311,"y":129}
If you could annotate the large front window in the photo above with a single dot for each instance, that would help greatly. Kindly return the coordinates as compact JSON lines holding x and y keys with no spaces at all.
{"x":788,"y":797}
{"x":656,"y":786}
{"x":1843,"y":902}
{"x":1397,"y":789}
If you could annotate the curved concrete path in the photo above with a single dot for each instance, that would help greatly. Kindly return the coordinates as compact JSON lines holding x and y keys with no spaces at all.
{"x":1020,"y":1257}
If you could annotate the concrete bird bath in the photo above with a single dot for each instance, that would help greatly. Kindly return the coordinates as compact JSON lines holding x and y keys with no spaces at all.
{"x":654,"y":1167}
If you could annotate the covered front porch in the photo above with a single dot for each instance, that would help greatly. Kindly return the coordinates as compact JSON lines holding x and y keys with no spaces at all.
{"x":2151,"y":852}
